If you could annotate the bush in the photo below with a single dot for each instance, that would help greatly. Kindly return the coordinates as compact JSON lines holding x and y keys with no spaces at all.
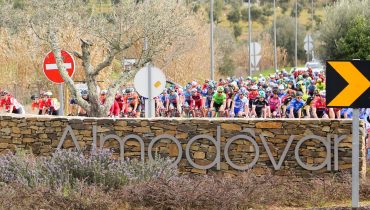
{"x":234,"y":15}
{"x":67,"y":168}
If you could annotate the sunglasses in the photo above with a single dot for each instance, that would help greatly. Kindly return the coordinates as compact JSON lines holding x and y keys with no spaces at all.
{"x":298,"y":97}
{"x":219,"y":91}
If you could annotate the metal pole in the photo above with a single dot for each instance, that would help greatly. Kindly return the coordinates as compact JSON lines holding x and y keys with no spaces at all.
{"x":296,"y":33}
{"x":355,"y":158}
{"x":61,"y":99}
{"x":150,"y":114}
{"x":149,"y":101}
{"x":250,"y":37}
{"x":312,"y":29}
{"x":275,"y":50}
{"x":212,"y":40}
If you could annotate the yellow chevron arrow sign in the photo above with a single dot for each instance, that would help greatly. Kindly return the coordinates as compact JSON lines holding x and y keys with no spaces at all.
{"x":357,"y":83}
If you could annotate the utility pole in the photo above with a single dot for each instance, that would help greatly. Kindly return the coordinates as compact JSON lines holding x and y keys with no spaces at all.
{"x":275,"y":50}
{"x":250,"y":36}
{"x":212,"y":40}
{"x":296,"y":33}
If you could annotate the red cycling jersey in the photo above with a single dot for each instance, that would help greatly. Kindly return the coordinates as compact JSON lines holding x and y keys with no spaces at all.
{"x":319,"y":104}
{"x":252,"y":95}
{"x":197,"y":100}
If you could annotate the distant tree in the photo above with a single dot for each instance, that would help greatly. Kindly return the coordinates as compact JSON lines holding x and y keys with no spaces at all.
{"x":217,"y":10}
{"x":344,"y":32}
{"x":226,"y":47}
{"x":237,"y":29}
{"x":256,"y":12}
{"x":244,"y":14}
{"x":285,"y":29}
{"x":356,"y":42}
{"x":234,"y":15}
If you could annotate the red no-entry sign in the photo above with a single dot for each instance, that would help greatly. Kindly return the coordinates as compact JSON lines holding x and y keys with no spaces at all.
{"x":51,"y":69}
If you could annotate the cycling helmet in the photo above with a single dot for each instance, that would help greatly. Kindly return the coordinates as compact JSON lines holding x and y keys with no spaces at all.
{"x":171,"y":89}
{"x":319,"y":80}
{"x":84,"y":93}
{"x":323,"y":93}
{"x":299,"y":94}
{"x":220,"y":88}
{"x":194,"y":83}
{"x":243,"y":91}
{"x":104,"y":92}
{"x":49,"y":93}
{"x":281,"y":87}
{"x":3,"y":93}
{"x":193,"y":90}
{"x":262,"y":94}
{"x":33,"y":97}
{"x":268,"y":89}
{"x":254,"y":87}
{"x":226,"y":89}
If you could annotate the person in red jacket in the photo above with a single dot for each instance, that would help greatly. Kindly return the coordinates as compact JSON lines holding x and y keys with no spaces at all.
{"x":11,"y":104}
{"x":114,"y":110}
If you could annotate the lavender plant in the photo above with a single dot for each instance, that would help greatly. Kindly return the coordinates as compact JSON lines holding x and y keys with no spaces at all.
{"x":67,"y":168}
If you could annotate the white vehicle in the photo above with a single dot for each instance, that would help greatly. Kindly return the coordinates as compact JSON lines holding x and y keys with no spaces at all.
{"x":316,"y":66}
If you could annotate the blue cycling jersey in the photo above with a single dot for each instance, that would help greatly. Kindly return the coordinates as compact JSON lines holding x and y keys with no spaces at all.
{"x":163,"y":98}
{"x":296,"y":105}
{"x":240,"y":103}
{"x":187,"y":95}
{"x":173,"y":98}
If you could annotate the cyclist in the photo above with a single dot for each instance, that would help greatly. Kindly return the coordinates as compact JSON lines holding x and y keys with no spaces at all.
{"x":229,"y":99}
{"x":294,"y":110}
{"x":196,"y":101}
{"x":286,"y":99}
{"x":11,"y":104}
{"x":320,"y":85}
{"x":80,"y":110}
{"x":173,"y":101}
{"x":275,"y":103}
{"x":161,"y":102}
{"x":253,"y":94}
{"x":208,"y":99}
{"x":259,"y":108}
{"x":187,"y":99}
{"x":52,"y":105}
{"x":319,"y":109}
{"x":35,"y":103}
{"x":240,"y":104}
{"x":132,"y":102}
{"x":218,"y":102}
{"x":114,"y":110}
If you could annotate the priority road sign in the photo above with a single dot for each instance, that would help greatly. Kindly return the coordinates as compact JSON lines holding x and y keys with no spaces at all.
{"x":348,"y":84}
{"x":51,"y":70}
{"x":152,"y":88}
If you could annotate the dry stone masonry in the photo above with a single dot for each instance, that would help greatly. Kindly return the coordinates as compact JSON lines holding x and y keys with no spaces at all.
{"x":201,"y":146}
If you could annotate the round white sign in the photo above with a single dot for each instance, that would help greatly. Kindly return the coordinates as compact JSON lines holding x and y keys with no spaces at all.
{"x":308,"y":46}
{"x":157,"y":85}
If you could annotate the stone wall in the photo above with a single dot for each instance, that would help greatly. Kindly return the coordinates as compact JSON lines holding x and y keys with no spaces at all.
{"x":250,"y":143}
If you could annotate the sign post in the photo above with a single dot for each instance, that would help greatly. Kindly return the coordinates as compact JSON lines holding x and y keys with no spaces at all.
{"x":355,"y":159}
{"x":149,"y":82}
{"x":348,"y":85}
{"x":61,"y":99}
{"x":51,"y":71}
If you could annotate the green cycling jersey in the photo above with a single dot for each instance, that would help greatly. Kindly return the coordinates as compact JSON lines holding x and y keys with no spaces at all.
{"x":219,"y":99}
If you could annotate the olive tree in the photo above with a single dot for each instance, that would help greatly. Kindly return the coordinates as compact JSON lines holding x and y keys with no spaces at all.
{"x":119,"y":31}
{"x":344,"y":32}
